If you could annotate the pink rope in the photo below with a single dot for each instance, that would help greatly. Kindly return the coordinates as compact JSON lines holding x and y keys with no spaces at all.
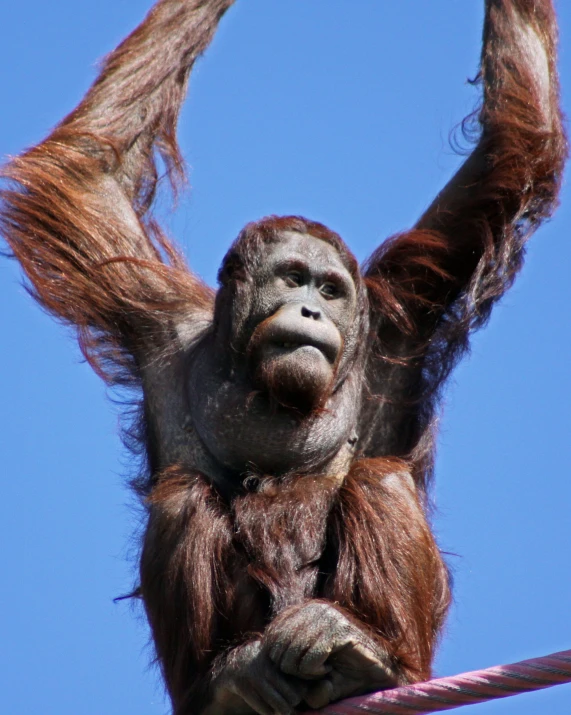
{"x":467,"y":689}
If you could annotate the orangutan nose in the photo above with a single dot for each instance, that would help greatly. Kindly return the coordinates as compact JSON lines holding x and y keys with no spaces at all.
{"x":310,"y":313}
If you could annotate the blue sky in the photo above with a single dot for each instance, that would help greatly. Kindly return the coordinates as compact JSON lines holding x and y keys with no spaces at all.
{"x":340,"y":111}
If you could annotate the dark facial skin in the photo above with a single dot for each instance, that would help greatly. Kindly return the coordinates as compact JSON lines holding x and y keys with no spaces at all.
{"x":305,"y":270}
{"x":277,"y":405}
{"x":304,"y":301}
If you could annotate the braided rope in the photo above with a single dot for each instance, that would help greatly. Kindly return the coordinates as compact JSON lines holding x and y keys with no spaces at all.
{"x":466,"y":689}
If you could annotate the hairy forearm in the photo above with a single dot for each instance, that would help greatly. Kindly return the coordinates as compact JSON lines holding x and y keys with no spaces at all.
{"x":514,"y":173}
{"x":185,"y":545}
{"x":135,"y":102}
{"x":466,"y":249}
{"x":74,"y":209}
{"x":147,"y":72}
{"x":519,"y":53}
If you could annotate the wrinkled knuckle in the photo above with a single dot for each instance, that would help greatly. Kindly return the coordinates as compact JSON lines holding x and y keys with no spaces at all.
{"x":289,"y":667}
{"x":324,"y":607}
{"x":321,"y":610}
{"x":272,"y":653}
{"x":253,"y":649}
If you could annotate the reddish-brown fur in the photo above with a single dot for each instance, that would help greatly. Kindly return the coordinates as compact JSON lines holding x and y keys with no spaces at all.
{"x":365,"y":546}
{"x":215,"y":572}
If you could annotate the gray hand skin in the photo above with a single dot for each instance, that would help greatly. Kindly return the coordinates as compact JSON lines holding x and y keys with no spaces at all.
{"x":249,"y":682}
{"x":312,"y":654}
{"x":317,"y":642}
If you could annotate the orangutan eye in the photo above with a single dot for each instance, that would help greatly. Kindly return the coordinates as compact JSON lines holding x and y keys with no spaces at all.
{"x":329,"y":290}
{"x":293,"y":279}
